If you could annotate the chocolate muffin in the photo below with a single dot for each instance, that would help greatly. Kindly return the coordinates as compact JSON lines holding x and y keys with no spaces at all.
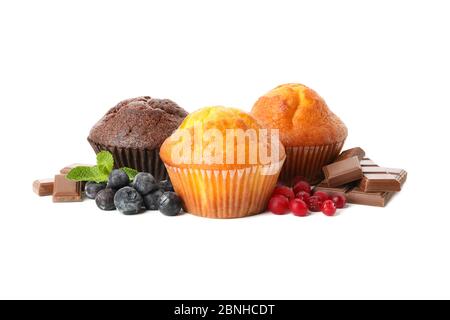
{"x":134,"y":130}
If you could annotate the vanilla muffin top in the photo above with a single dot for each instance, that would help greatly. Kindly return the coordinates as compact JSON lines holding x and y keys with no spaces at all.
{"x":210,"y":124}
{"x":301,"y":115}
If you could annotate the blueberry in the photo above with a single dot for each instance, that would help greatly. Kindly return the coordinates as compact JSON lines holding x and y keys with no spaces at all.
{"x":128,"y":201}
{"x":151,"y":200}
{"x":118,"y":179}
{"x":165,"y":185}
{"x":144,"y":183}
{"x":105,"y":199}
{"x":170,"y":204}
{"x":92,"y":189}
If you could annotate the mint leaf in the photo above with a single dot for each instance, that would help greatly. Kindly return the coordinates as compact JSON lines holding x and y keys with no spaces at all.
{"x":87,"y":174}
{"x":105,"y":162}
{"x":132,"y":173}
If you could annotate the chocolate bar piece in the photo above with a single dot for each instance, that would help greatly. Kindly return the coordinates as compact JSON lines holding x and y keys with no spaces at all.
{"x":366,"y":162}
{"x":66,"y":190}
{"x":67,"y":169}
{"x":358,"y":196}
{"x":343,"y":171}
{"x":323,"y":186}
{"x":377,"y":179}
{"x":43,"y":187}
{"x":353,"y":152}
{"x":374,"y":170}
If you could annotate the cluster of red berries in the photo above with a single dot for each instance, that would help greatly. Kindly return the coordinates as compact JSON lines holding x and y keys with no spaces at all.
{"x":300,"y":200}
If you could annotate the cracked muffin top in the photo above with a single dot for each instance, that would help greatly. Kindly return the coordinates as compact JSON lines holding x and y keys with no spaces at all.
{"x":140,"y":123}
{"x":212,"y":125}
{"x":302,"y":116}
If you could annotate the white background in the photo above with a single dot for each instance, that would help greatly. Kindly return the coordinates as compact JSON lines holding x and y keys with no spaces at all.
{"x":382,"y":66}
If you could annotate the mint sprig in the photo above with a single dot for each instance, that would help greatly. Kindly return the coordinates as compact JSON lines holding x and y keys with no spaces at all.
{"x":132,"y":173}
{"x":105,"y":162}
{"x":87,"y":174}
{"x":100,"y":172}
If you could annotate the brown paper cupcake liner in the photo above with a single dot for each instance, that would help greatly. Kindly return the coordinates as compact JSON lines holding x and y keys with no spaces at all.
{"x":143,"y":160}
{"x":308,"y":161}
{"x":225,"y":193}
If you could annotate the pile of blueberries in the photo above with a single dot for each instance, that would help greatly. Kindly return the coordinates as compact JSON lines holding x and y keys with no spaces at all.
{"x":144,"y":193}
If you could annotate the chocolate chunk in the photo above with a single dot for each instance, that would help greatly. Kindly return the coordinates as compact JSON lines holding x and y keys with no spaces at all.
{"x":377,"y":169}
{"x":66,"y":190}
{"x":43,"y":187}
{"x":343,"y":171}
{"x":353,"y":152}
{"x":332,"y":190}
{"x":366,"y":162}
{"x":358,"y":196}
{"x":376,"y":187}
{"x":377,"y":179}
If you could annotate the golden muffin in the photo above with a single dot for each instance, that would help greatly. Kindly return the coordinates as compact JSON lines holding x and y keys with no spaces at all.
{"x":312,"y":134}
{"x":222,"y":164}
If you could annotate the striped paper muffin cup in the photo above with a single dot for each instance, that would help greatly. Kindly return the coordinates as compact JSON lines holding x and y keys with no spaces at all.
{"x":225,"y":194}
{"x":143,"y":160}
{"x":307,"y":161}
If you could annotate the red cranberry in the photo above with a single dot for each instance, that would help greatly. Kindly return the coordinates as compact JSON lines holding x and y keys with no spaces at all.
{"x":302,"y":186}
{"x":303,"y":195}
{"x":284,"y":191}
{"x":278,"y":204}
{"x":315,"y":204}
{"x":329,"y":208}
{"x":339,"y":200}
{"x":297,"y":179}
{"x":298,"y":207}
{"x":322,"y":195}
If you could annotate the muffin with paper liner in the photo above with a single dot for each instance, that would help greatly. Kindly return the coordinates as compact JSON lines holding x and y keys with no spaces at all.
{"x":311,"y":133}
{"x":134,"y":130}
{"x":222,"y":163}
